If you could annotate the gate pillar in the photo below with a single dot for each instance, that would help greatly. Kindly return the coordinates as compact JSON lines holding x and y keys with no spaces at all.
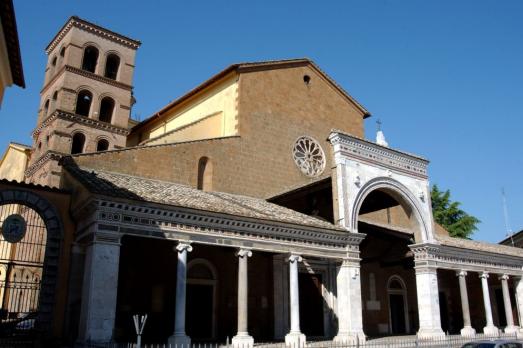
{"x":99,"y":290}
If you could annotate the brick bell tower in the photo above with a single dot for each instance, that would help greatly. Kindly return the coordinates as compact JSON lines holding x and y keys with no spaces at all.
{"x":86,"y":100}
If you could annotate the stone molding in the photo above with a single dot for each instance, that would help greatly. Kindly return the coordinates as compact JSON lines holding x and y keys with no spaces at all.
{"x":49,"y":155}
{"x":210,"y":228}
{"x":435,"y":256}
{"x":363,"y":150}
{"x":94,"y":29}
{"x":86,"y":121}
{"x":53,"y":246}
{"x":87,"y":74}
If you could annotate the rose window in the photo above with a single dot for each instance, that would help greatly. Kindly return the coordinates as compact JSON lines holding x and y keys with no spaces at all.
{"x":309,"y":156}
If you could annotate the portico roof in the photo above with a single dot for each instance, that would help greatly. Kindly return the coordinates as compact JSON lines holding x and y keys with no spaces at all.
{"x":479,"y":246}
{"x":136,"y":188}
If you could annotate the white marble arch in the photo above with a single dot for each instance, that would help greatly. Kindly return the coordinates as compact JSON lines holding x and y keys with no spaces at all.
{"x":212,"y":281}
{"x":421,"y":222}
{"x":403,"y":293}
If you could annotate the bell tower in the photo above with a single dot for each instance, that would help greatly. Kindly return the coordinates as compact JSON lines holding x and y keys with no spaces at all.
{"x":86,"y":100}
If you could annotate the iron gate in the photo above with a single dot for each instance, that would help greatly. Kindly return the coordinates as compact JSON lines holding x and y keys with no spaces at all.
{"x":21,"y":266}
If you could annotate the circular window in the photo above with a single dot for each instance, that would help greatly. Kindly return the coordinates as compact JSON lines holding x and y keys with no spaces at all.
{"x":309,"y":156}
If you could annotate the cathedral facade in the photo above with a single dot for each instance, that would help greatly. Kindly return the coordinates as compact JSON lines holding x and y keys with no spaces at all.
{"x":250,"y":208}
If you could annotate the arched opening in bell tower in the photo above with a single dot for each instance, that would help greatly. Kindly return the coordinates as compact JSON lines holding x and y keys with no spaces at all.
{"x":90,"y":59}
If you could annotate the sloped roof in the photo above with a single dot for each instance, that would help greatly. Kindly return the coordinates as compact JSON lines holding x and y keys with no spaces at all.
{"x":477,"y":245}
{"x":143,"y":189}
{"x":252,"y":66}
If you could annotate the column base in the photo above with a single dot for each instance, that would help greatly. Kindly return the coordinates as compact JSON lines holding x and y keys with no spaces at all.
{"x":491,"y":331}
{"x":242,"y":340}
{"x":179,"y":341}
{"x":428,"y":333}
{"x":349,"y":339}
{"x":511,"y":329}
{"x":295,"y":340}
{"x":468,"y":331}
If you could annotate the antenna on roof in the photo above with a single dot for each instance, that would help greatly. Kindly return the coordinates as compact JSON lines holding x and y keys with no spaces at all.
{"x":505,"y":213}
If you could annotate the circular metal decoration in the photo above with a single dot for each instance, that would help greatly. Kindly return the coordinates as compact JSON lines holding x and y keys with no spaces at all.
{"x":13,"y":228}
{"x":309,"y":156}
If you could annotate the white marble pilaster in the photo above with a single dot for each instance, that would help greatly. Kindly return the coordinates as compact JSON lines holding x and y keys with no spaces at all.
{"x":489,"y":329}
{"x":179,"y":338}
{"x":510,"y":328}
{"x":99,"y":291}
{"x":350,"y":319}
{"x":467,"y":330}
{"x":294,"y":338}
{"x":428,"y":303}
{"x":519,"y":301}
{"x":242,"y":338}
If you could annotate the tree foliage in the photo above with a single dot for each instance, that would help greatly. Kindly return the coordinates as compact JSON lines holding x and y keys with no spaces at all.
{"x":449,"y":215}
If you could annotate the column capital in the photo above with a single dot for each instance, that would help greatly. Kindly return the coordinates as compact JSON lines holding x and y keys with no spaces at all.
{"x":461,"y":273}
{"x":484,"y":275}
{"x":182,"y":246}
{"x":242,"y":252}
{"x":504,"y":277}
{"x":294,"y":258}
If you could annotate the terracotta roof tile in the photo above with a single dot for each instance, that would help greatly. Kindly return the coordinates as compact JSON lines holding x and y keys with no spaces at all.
{"x":142,"y":189}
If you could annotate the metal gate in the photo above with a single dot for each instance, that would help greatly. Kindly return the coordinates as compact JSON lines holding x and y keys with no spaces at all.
{"x":21,"y":266}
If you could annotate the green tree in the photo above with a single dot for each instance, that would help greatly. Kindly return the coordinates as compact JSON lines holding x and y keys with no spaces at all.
{"x":449,"y":215}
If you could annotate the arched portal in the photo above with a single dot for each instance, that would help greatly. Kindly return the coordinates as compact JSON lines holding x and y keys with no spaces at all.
{"x":398,"y":306}
{"x":387,"y":214}
{"x":402,"y":196}
{"x":29,"y":261}
{"x":201,"y":300}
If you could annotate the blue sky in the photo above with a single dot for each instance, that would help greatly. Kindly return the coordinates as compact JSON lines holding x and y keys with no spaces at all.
{"x":445,"y":77}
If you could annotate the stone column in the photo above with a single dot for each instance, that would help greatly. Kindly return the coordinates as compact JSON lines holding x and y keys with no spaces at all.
{"x":350,"y":318}
{"x":428,"y":303}
{"x":519,"y":301}
{"x":467,"y":328}
{"x":508,"y":305}
{"x":179,"y":338}
{"x":294,"y":338}
{"x":242,"y":338}
{"x":490,"y":329}
{"x":99,"y":291}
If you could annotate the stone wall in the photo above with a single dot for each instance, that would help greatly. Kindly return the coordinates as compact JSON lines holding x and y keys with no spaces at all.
{"x":275,"y":108}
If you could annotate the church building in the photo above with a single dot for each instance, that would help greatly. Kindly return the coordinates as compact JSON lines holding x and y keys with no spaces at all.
{"x":250,"y":208}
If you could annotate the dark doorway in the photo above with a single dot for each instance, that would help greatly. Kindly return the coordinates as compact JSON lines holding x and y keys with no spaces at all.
{"x":397,"y":314}
{"x":199,"y":311}
{"x":311,"y":304}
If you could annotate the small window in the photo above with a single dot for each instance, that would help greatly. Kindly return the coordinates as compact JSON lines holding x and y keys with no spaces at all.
{"x":111,"y":66}
{"x":46,"y":107}
{"x":55,"y":95}
{"x":54,"y":61}
{"x":106,"y":109}
{"x":204,"y":174}
{"x":78,"y":143}
{"x":62,"y":52}
{"x":102,"y":145}
{"x":90,"y":59}
{"x":83,"y":103}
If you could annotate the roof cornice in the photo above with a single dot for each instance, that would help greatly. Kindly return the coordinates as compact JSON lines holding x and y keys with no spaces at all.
{"x":82,"y":24}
